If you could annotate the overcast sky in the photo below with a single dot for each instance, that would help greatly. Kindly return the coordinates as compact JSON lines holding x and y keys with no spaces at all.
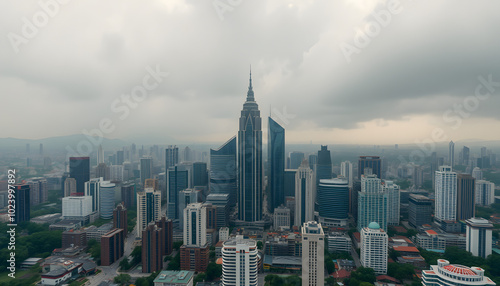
{"x":61,"y":73}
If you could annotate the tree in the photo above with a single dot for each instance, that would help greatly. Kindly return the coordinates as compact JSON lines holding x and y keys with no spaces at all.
{"x":177,"y":245}
{"x":136,"y":255}
{"x":400,"y":271}
{"x":124,"y":265}
{"x":364,"y":274}
{"x":122,"y":279}
{"x":259,"y":244}
{"x":330,"y":281}
{"x":175,"y":263}
{"x":214,"y":271}
{"x":200,"y":278}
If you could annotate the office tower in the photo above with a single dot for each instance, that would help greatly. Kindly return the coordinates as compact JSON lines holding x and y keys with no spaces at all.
{"x":372,"y":162}
{"x":148,"y":208}
{"x":200,"y":175}
{"x":373,"y":203}
{"x":281,"y":218}
{"x":221,"y":203}
{"x":446,"y":194}
{"x":239,"y":262}
{"x":276,"y":164}
{"x":168,"y":239}
{"x":120,"y":157}
{"x":194,"y":252}
{"x":171,"y":156}
{"x":106,"y":199}
{"x":333,"y":202}
{"x":393,"y":202}
{"x":100,"y":155}
{"x":451,"y":154}
{"x":102,"y":171}
{"x":465,"y":196}
{"x":346,"y":172}
{"x":305,"y":194}
{"x":313,"y":252}
{"x":479,"y":236}
{"x":223,"y":170}
{"x":466,"y":156}
{"x":128,"y":194}
{"x":211,"y":216}
{"x":76,"y":208}
{"x":313,"y":160}
{"x":419,"y":210}
{"x":69,"y":187}
{"x":374,"y":244}
{"x":116,"y":173}
{"x":152,"y":248}
{"x":296,"y":159}
{"x":477,"y":173}
{"x":186,"y":197}
{"x":38,"y":190}
{"x":289,"y":184}
{"x":324,"y":165}
{"x":434,"y":167}
{"x":79,"y":169}
{"x":250,"y":160}
{"x":112,"y":246}
{"x":354,"y":198}
{"x":177,"y":180}
{"x":120,"y":218}
{"x":485,"y":193}
{"x":451,"y":274}
{"x":92,"y":188}
{"x":40,"y":151}
{"x":21,"y":204}
{"x":146,"y":169}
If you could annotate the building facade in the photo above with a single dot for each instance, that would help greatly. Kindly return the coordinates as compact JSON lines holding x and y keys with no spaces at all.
{"x":148,"y":208}
{"x":446,"y":194}
{"x":276,"y":164}
{"x":239,"y":262}
{"x":449,"y":274}
{"x":313,"y":252}
{"x":112,"y":246}
{"x":479,"y":236}
{"x":374,"y":248}
{"x":305,"y":194}
{"x":333,"y":202}
{"x":466,"y":206}
{"x":372,"y":203}
{"x":152,"y":249}
{"x":79,"y":169}
{"x":223,"y":171}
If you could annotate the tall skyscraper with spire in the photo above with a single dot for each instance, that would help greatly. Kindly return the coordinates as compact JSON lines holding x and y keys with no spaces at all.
{"x":250,"y":160}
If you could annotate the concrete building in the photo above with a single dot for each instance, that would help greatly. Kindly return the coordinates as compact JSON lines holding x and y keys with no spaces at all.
{"x":281,"y":218}
{"x":479,"y":236}
{"x":451,"y":274}
{"x":446,"y":194}
{"x":393,"y":202}
{"x":112,"y":246}
{"x":466,"y":206}
{"x":152,"y":248}
{"x":485,"y":193}
{"x":223,"y":233}
{"x":239,"y":262}
{"x":120,"y":218}
{"x":194,"y":252}
{"x":76,"y":207}
{"x":339,"y":242}
{"x":346,"y":172}
{"x":106,"y":199}
{"x":374,"y":252}
{"x":313,"y":252}
{"x":69,"y":187}
{"x":166,"y":226}
{"x":148,"y":208}
{"x":305,"y":194}
{"x":372,"y":203}
{"x":92,"y":188}
{"x":419,"y":210}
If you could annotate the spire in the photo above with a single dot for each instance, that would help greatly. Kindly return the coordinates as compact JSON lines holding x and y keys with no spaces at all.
{"x":250,"y":89}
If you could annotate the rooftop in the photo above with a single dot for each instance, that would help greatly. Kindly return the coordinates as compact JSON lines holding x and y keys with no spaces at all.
{"x":174,"y":277}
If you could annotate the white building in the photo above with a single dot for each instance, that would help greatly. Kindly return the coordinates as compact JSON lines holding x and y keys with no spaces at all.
{"x":116,"y":172}
{"x":393,"y":203}
{"x":195,"y":225}
{"x":374,"y":243}
{"x":479,"y":237}
{"x":148,"y":208}
{"x":281,"y":218}
{"x":73,"y":206}
{"x":446,"y":194}
{"x":485,"y":193}
{"x":223,"y":233}
{"x":305,"y":194}
{"x":346,"y":172}
{"x":339,"y":242}
{"x":239,"y":262}
{"x":313,"y":253}
{"x":477,"y":173}
{"x":449,"y":274}
{"x":92,"y":189}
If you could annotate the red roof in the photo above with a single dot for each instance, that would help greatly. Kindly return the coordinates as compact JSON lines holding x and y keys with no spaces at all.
{"x":400,"y":229}
{"x":462,"y":270}
{"x":404,"y":238}
{"x":386,"y":277}
{"x":431,"y":232}
{"x":341,"y":274}
{"x":406,"y":249}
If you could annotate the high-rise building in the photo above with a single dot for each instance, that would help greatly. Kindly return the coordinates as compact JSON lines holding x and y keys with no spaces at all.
{"x":195,"y":225}
{"x":465,"y":196}
{"x":92,"y":190}
{"x":372,"y":203}
{"x":446,"y":194}
{"x":305,"y":194}
{"x":374,"y":244}
{"x":296,"y":159}
{"x":485,"y":193}
{"x":419,"y":210}
{"x":152,"y":248}
{"x":200,"y":175}
{"x":186,"y":197}
{"x":221,"y":204}
{"x":466,"y":156}
{"x":168,"y":240}
{"x":324,"y":165}
{"x":223,"y":172}
{"x":120,"y":218}
{"x":477,"y":173}
{"x":106,"y":199}
{"x":239,"y":262}
{"x":128,"y":194}
{"x":112,"y":246}
{"x":100,"y":155}
{"x":146,"y":169}
{"x":250,"y":160}
{"x":372,"y":162}
{"x":289,"y":184}
{"x":313,"y":160}
{"x":276,"y":164}
{"x":451,"y":154}
{"x":103,"y":171}
{"x":313,"y":252}
{"x":346,"y":172}
{"x":393,"y":202}
{"x":21,"y":203}
{"x":281,"y":218}
{"x":120,"y":157}
{"x":479,"y":236}
{"x":76,"y":208}
{"x":434,"y":167}
{"x":148,"y":208}
{"x":69,"y":187}
{"x":116,"y":173}
{"x":38,"y":191}
{"x":449,"y":274}
{"x":171,"y":156}
{"x":333,"y":202}
{"x":177,"y":180}
{"x":79,"y":169}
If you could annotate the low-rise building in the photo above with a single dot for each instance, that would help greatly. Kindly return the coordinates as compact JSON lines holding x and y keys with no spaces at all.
{"x":339,"y":242}
{"x":174,"y":278}
{"x":452,"y":274}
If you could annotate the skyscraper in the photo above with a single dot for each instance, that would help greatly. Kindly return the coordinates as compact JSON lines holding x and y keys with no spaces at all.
{"x":168,"y":240}
{"x":451,"y":154}
{"x":21,"y":203}
{"x":296,"y":159}
{"x":479,"y":236}
{"x":128,"y":194}
{"x":446,"y":194}
{"x":148,"y":208}
{"x":372,"y":162}
{"x":177,"y":180}
{"x":92,"y":190}
{"x":313,"y":252}
{"x":393,"y":202}
{"x":374,"y":243}
{"x":171,"y":156}
{"x":346,"y":172}
{"x":485,"y":193}
{"x":70,"y":187}
{"x":466,"y":155}
{"x":305,"y":194}
{"x":112,"y":246}
{"x":100,"y":155}
{"x":195,"y":251}
{"x":223,"y":170}
{"x":120,"y":218}
{"x":276,"y":164}
{"x":79,"y":169}
{"x":419,"y":210}
{"x":465,"y":196}
{"x":146,"y":169}
{"x":239,"y":262}
{"x":372,"y":202}
{"x":324,"y":165}
{"x":102,"y":171}
{"x":333,"y":202}
{"x":200,"y":175}
{"x":152,"y":248}
{"x":250,"y":160}
{"x":106,"y":199}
